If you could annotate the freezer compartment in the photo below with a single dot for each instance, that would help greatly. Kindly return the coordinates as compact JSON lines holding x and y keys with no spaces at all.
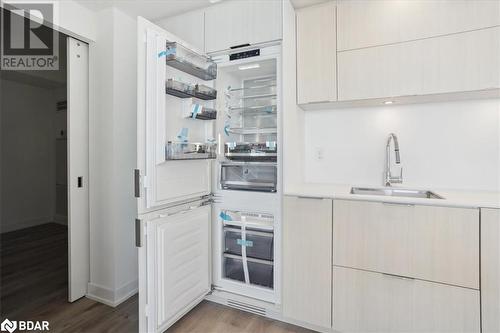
{"x":248,"y":151}
{"x":185,"y":90}
{"x":257,"y":244}
{"x":260,"y":272}
{"x":252,"y":221}
{"x":249,"y":176}
{"x":233,"y":268}
{"x":190,"y":62}
{"x":190,"y":151}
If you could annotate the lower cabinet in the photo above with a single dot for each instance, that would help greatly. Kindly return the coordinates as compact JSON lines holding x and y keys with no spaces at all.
{"x":490,"y":270}
{"x":307,"y":260}
{"x":366,"y":301}
{"x":439,"y":244}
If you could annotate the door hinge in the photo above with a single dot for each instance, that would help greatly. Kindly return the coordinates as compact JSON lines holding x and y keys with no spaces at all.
{"x":146,"y":310}
{"x":137,"y":183}
{"x":139,"y":233}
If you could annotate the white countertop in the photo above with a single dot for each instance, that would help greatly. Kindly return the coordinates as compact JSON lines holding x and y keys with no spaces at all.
{"x":451,"y":198}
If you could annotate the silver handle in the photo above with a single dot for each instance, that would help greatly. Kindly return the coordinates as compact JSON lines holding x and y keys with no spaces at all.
{"x":311,"y":198}
{"x":138,"y":233}
{"x":397,"y":204}
{"x":398,"y":276}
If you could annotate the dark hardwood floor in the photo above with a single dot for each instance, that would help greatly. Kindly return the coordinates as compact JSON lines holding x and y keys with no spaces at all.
{"x":34,"y":286}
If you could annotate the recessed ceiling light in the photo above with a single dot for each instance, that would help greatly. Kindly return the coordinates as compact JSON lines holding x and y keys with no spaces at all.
{"x":214,"y":1}
{"x":251,"y":66}
{"x":388,"y":102}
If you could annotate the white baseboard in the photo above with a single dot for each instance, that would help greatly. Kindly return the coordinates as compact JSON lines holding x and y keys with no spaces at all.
{"x":112,"y":297}
{"x":24,"y":224}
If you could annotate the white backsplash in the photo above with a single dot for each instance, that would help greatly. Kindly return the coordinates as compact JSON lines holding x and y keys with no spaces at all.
{"x":453,"y":145}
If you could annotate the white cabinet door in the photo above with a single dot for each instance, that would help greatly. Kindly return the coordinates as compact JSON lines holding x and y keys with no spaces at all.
{"x":427,"y":242}
{"x":490,"y":270}
{"x":175,"y":262}
{"x":364,"y":23}
{"x":163,"y":182}
{"x":316,"y":54}
{"x":373,"y":302}
{"x":189,"y":26}
{"x":307,"y":260}
{"x":461,"y":62}
{"x":235,"y":23}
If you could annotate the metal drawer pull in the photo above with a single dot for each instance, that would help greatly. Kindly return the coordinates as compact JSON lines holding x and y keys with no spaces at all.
{"x":398,"y":276}
{"x":312,"y":198}
{"x":398,"y":204}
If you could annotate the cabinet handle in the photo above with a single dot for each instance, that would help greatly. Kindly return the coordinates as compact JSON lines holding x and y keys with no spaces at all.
{"x":137,"y":183}
{"x":138,"y":233}
{"x":398,"y":204}
{"x":311,"y":198}
{"x":398,"y":276}
{"x":238,"y":46}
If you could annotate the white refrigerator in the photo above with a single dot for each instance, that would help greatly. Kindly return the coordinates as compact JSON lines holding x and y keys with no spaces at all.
{"x":208,"y":177}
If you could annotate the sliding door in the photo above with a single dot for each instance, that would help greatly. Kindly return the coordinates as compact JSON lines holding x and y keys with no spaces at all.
{"x":78,"y":168}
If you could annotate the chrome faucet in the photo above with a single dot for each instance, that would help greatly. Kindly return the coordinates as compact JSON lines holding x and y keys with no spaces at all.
{"x":389,"y":179}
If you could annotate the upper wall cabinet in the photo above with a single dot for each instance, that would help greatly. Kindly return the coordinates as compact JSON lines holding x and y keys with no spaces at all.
{"x":235,"y":23}
{"x":316,"y":54}
{"x":462,"y":62}
{"x":189,"y":27}
{"x":364,"y":23}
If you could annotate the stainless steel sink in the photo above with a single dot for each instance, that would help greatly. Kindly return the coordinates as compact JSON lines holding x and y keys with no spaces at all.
{"x":395,"y":192}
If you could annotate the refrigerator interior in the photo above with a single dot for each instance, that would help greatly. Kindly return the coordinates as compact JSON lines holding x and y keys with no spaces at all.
{"x":248,"y":127}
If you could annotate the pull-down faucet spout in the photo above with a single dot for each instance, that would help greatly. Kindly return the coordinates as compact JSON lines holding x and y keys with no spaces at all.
{"x":388,"y":178}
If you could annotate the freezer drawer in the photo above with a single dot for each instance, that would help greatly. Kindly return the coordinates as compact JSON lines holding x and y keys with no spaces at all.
{"x":260,"y":272}
{"x":249,"y":176}
{"x":258,"y":244}
{"x":233,"y":269}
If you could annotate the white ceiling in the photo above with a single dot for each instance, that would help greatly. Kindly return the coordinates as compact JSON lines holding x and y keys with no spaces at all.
{"x":156,"y":9}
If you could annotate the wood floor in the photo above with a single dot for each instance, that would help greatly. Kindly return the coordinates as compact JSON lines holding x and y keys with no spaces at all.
{"x":33,"y":286}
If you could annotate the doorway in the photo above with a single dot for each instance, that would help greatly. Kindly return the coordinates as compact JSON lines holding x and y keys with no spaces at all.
{"x":44,"y":205}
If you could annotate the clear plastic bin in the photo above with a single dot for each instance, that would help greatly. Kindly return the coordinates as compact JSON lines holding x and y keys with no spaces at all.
{"x":258,"y":244}
{"x":249,"y":176}
{"x":261,"y":274}
{"x":190,"y":151}
{"x":233,"y":269}
{"x":190,"y":62}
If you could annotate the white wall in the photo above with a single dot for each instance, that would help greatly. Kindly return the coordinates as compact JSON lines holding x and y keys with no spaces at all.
{"x":27,"y":155}
{"x":453,"y":145}
{"x":113,"y":256}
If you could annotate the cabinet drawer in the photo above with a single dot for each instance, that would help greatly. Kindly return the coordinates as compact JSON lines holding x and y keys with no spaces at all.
{"x":374,"y":302}
{"x":438,"y":244}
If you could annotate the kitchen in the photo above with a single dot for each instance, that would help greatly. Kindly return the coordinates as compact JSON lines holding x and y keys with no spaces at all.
{"x":332,"y":165}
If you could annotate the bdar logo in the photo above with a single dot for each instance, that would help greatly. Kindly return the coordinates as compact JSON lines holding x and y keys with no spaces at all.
{"x":9,"y":326}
